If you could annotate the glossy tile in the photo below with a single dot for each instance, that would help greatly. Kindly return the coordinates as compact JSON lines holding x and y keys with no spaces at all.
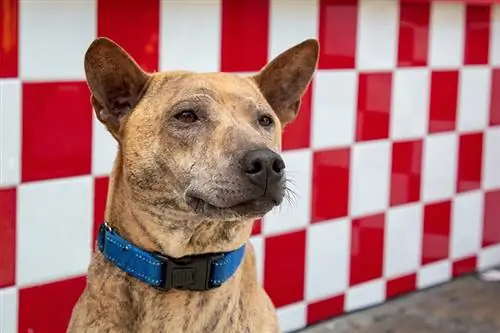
{"x":470,"y":160}
{"x":334,"y":109}
{"x":239,"y":18}
{"x":9,"y":39}
{"x":330,"y":193}
{"x":401,"y":285}
{"x":443,"y":101}
{"x":139,"y":39}
{"x":338,"y":27}
{"x":413,"y":47}
{"x":367,"y":249}
{"x":57,"y":130}
{"x":466,"y":224}
{"x":491,"y":228}
{"x":436,"y":232}
{"x":8,"y":228}
{"x":190,"y":34}
{"x":494,"y":98}
{"x":288,"y":290}
{"x":297,"y":135}
{"x":376,"y":47}
{"x":477,"y":34}
{"x":374,"y":106}
{"x":327,"y":258}
{"x":325,"y":309}
{"x":47,"y":307}
{"x":406,"y":172}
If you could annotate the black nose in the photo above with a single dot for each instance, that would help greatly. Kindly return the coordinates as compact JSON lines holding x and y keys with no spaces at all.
{"x":263,"y":166}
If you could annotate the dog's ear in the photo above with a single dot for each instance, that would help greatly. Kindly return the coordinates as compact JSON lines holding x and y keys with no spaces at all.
{"x":115,"y":80}
{"x":285,"y":79}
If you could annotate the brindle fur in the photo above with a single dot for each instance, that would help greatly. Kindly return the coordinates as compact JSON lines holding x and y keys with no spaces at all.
{"x":159,"y":160}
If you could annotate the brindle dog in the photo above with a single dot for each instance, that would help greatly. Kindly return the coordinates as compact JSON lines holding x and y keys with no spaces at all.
{"x":197,"y":163}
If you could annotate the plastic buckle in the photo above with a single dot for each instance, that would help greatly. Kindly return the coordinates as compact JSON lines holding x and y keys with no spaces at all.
{"x":187,"y":273}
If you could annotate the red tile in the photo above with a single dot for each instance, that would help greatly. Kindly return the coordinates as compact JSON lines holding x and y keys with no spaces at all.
{"x":374,"y":106}
{"x":338,"y":21}
{"x":57,"y":130}
{"x":7,"y":237}
{"x":330,"y":196}
{"x":284,"y":267}
{"x":491,"y":228}
{"x":140,"y":39}
{"x":257,"y":227}
{"x":367,"y":248}
{"x":401,"y":285}
{"x":9,"y":39}
{"x":413,"y":34}
{"x":470,"y":157}
{"x":47,"y":308}
{"x":495,"y":97}
{"x":325,"y":309}
{"x":436,"y":237}
{"x":477,"y":35}
{"x":464,"y":266}
{"x":406,"y":172}
{"x":100,"y":197}
{"x":245,"y":31}
{"x":297,"y":135}
{"x":444,"y":100}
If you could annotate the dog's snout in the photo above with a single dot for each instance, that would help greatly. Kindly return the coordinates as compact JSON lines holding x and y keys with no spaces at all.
{"x":263,"y":166}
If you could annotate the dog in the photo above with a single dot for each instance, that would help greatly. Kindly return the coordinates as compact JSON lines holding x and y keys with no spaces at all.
{"x":198,"y":161}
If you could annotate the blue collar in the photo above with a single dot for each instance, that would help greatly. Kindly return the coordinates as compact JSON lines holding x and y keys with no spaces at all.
{"x":198,"y":272}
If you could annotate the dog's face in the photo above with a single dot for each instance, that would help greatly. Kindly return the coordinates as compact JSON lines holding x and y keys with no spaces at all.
{"x":207,"y":144}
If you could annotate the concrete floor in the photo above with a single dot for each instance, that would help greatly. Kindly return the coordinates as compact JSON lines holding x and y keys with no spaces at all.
{"x":466,"y":305}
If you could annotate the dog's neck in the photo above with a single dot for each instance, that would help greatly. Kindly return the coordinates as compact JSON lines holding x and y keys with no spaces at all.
{"x":175,"y":234}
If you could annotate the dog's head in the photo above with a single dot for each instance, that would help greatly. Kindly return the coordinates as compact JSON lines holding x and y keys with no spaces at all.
{"x":202,"y":143}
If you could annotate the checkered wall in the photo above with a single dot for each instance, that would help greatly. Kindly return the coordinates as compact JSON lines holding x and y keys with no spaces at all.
{"x":392,"y":155}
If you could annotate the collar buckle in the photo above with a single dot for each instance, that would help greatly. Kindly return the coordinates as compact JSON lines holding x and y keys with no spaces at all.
{"x":187,"y":273}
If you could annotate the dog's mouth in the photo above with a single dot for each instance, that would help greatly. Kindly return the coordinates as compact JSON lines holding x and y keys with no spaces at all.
{"x":253,"y":208}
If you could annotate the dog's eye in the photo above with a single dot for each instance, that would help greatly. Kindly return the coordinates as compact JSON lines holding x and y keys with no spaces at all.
{"x":187,"y":116}
{"x":265,"y":121}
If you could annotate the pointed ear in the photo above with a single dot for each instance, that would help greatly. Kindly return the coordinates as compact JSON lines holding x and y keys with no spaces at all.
{"x":285,"y":79}
{"x":115,"y":80}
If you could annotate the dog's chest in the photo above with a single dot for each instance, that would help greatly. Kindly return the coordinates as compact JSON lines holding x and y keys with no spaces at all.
{"x":199,"y":314}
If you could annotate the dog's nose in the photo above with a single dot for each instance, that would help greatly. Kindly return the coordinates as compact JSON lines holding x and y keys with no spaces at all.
{"x":263,"y":166}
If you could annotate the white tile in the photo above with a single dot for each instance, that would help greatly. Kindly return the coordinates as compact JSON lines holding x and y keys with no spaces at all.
{"x":410,"y":103}
{"x":491,"y":159}
{"x":8,"y":310}
{"x":466,"y":224}
{"x":334,"y":108}
{"x":439,"y":166}
{"x":489,"y":257}
{"x":403,"y":240}
{"x":365,"y":295}
{"x":297,"y":213}
{"x":10,"y":132}
{"x":292,"y":317}
{"x":104,"y":149}
{"x":54,"y":38}
{"x":474,"y":98}
{"x":284,"y":32}
{"x":54,"y":229}
{"x":495,"y":36}
{"x":258,"y":246}
{"x":433,"y":274}
{"x":331,"y":240}
{"x":377,"y":34}
{"x":190,"y":35}
{"x":369,"y":189}
{"x":446,"y":35}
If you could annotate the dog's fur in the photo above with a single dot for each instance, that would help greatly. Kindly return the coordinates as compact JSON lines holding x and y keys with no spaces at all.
{"x":177,"y":185}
